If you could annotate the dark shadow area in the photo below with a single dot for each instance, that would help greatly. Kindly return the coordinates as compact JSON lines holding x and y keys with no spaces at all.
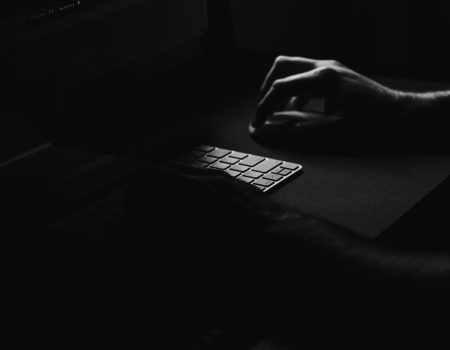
{"x":425,"y":227}
{"x":128,"y":285}
{"x":368,"y":140}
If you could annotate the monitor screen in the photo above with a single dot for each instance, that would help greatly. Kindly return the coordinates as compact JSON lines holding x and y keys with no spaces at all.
{"x":17,"y":8}
{"x":15,"y":14}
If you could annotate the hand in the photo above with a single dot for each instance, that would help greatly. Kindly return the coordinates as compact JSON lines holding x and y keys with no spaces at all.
{"x":293,"y":81}
{"x":204,"y":212}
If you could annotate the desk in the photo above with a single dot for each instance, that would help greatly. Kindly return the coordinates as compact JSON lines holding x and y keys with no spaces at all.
{"x":366,"y":194}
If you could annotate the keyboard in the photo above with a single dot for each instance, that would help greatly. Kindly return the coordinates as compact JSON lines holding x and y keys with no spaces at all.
{"x":95,"y":219}
{"x":264,"y":173}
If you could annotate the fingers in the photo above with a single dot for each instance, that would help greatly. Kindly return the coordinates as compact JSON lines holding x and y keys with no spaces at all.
{"x":314,"y":83}
{"x":285,"y":66}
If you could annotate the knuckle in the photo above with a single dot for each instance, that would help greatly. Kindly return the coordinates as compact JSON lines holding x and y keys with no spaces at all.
{"x":283,"y":59}
{"x":327,"y":72}
{"x":280,"y":59}
{"x":278,"y":84}
{"x":332,"y":63}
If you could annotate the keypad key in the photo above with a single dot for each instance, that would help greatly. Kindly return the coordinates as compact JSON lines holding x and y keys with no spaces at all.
{"x":267,"y":165}
{"x":289,"y":166}
{"x":285,"y":172}
{"x":245,"y":179}
{"x":228,"y":160}
{"x":272,"y":177}
{"x":263,"y":183}
{"x":277,"y":170}
{"x":238,"y":155}
{"x":219,"y":153}
{"x":205,"y":148}
{"x":219,"y":166}
{"x":252,"y":174}
{"x":207,"y":160}
{"x":233,"y":173}
{"x":240,"y":168}
{"x":251,"y":161}
{"x":260,"y":187}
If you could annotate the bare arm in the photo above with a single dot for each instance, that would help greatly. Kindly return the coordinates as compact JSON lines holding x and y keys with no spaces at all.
{"x":348,"y":94}
{"x":353,"y":261}
{"x":429,"y":107}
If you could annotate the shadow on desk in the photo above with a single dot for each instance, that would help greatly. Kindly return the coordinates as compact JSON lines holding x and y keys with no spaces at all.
{"x":369,"y":140}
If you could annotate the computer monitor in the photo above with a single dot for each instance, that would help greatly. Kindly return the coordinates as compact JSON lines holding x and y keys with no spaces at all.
{"x":49,"y":48}
{"x":44,"y":34}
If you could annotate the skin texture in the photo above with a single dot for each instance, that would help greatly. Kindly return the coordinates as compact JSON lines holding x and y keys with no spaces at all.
{"x":293,"y":81}
{"x":345,"y":91}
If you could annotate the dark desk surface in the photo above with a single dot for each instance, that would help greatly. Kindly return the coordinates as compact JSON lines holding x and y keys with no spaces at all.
{"x":366,"y":193}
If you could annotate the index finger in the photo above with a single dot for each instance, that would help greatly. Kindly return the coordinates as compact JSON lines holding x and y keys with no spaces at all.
{"x":309,"y":84}
{"x":285,"y":66}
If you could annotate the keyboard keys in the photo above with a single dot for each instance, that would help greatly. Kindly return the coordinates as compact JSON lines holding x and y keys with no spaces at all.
{"x":264,"y":183}
{"x":289,"y":166}
{"x":233,"y":173}
{"x":285,"y":172}
{"x":246,"y":179}
{"x":228,"y":160}
{"x":273,"y":177}
{"x":207,"y":160}
{"x":240,"y":168}
{"x":238,"y":155}
{"x":219,"y":153}
{"x":263,"y":173}
{"x":267,"y":165}
{"x":252,"y":174}
{"x":277,"y":170}
{"x":219,"y":166}
{"x":251,"y":161}
{"x":205,"y":149}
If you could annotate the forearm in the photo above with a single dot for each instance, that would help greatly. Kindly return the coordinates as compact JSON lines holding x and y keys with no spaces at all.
{"x":340,"y":258}
{"x":429,"y":108}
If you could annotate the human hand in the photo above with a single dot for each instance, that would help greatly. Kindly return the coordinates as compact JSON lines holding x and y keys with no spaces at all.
{"x":293,"y":81}
{"x":204,"y":212}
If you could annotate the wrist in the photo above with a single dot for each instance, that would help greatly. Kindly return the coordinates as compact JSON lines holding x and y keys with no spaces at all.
{"x":409,"y":105}
{"x":417,"y":105}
